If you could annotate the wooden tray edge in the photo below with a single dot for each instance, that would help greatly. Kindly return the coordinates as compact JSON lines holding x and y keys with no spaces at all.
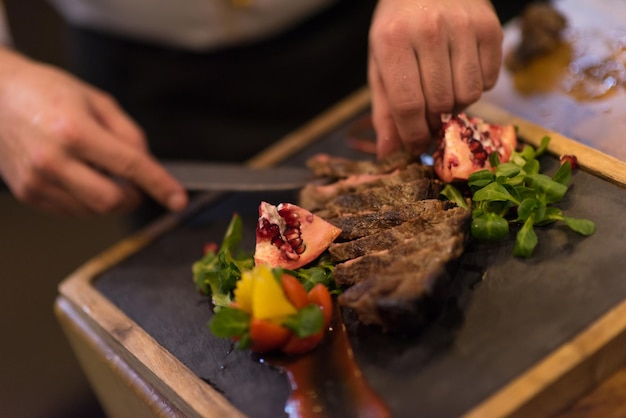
{"x":566,"y":374}
{"x":134,"y":345}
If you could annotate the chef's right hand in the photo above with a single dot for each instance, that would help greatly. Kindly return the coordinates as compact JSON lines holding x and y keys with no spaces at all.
{"x":428,"y":57}
{"x":68,"y":148}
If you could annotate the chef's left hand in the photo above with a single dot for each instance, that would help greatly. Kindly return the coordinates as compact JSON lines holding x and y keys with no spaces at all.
{"x":428,"y":57}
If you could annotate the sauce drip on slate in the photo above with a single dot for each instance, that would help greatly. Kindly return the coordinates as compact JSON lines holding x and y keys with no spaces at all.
{"x":327,"y":381}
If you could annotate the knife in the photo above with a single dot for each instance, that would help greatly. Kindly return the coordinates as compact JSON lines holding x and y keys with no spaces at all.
{"x":217,"y":176}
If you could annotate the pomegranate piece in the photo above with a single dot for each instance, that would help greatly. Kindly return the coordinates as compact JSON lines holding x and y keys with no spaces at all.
{"x":465,"y":143}
{"x":290,"y":237}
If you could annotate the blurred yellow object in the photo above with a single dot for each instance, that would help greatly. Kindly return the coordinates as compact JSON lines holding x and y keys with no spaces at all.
{"x":243,"y":292}
{"x":260,"y":294}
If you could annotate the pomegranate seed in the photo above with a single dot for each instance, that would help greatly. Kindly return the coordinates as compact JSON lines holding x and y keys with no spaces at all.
{"x":474,"y":145}
{"x":291,"y":234}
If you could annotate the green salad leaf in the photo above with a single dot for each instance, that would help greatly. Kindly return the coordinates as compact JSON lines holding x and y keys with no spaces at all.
{"x":322,"y":272}
{"x":517,"y":192}
{"x":217,"y":272}
{"x":306,"y":322}
{"x":230,"y":322}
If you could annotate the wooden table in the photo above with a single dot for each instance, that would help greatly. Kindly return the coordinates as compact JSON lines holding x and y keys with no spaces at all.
{"x":135,"y":376}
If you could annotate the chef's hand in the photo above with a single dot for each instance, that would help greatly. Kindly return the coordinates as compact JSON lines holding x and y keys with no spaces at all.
{"x":66,"y":147}
{"x":428,"y":57}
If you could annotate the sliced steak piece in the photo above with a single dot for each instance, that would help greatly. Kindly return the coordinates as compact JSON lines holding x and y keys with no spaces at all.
{"x":378,"y":197}
{"x":313,"y":197}
{"x":441,"y":223}
{"x":397,"y":296}
{"x":324,"y":165}
{"x":404,"y":255}
{"x":364,"y":223}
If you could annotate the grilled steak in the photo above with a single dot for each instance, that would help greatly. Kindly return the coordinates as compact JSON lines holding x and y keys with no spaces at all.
{"x":407,"y":251}
{"x":378,"y":197}
{"x":393,"y":290}
{"x":397,"y":241}
{"x":360,"y":224}
{"x":324,"y":165}
{"x":313,"y":197}
{"x":440,"y":223}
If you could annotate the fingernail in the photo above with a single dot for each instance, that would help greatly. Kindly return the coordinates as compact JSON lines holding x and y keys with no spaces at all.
{"x":177,"y":202}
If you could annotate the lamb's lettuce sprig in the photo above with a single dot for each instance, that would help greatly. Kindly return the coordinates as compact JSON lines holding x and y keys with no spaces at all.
{"x":517,"y":192}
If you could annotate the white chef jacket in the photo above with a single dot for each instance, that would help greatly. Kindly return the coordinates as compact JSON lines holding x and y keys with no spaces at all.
{"x":190,"y":24}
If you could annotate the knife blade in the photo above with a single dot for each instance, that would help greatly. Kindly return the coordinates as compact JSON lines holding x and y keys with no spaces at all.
{"x":217,"y":176}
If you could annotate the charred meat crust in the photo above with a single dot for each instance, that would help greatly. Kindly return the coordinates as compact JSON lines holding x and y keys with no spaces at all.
{"x":357,"y":225}
{"x":324,"y":165}
{"x":392,"y":296}
{"x":415,"y":256}
{"x":315,"y":197}
{"x":378,"y":197}
{"x":428,"y":225}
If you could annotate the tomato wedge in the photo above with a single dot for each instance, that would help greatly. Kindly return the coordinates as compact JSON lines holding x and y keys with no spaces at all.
{"x":267,"y":336}
{"x":295,"y":292}
{"x":297,"y":345}
{"x":320,"y":296}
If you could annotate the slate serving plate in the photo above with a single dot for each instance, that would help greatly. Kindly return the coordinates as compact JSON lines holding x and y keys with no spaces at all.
{"x":516,"y":336}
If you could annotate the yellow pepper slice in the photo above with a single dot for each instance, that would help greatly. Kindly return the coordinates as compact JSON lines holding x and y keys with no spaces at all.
{"x":244,"y":290}
{"x":259,"y":293}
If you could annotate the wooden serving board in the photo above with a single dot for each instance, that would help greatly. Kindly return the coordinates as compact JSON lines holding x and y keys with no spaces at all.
{"x":517,"y":338}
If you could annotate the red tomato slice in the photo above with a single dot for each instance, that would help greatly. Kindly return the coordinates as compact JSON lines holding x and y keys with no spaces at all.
{"x":295,"y":292}
{"x":267,"y":336}
{"x":297,"y":345}
{"x":320,"y":296}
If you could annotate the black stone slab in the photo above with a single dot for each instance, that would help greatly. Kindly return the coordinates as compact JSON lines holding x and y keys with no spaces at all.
{"x":504,"y":314}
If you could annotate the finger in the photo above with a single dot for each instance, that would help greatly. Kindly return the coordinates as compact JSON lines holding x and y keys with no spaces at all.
{"x":126,"y":162}
{"x":53,"y":199}
{"x":466,"y":72}
{"x":400,"y":79}
{"x":433,"y":57}
{"x":97,"y":191}
{"x":111,"y":115}
{"x":35,"y":185}
{"x":490,"y":53}
{"x":387,"y":138}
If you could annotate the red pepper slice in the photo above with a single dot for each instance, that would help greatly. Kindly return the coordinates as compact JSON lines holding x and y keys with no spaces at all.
{"x":320,"y":296}
{"x":297,"y":345}
{"x":295,"y":292}
{"x":267,"y":336}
